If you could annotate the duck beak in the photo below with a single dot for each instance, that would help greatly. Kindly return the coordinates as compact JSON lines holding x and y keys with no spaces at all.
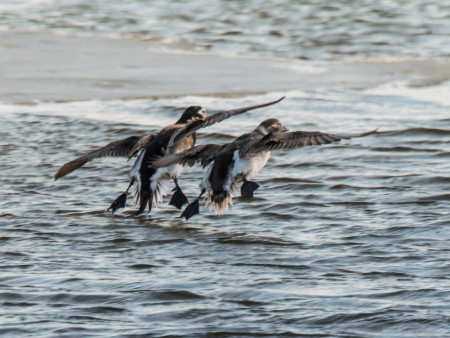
{"x":285,"y":129}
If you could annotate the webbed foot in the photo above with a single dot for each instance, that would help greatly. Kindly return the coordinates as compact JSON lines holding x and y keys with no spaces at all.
{"x":191,"y":210}
{"x":178,"y":199}
{"x":118,"y":203}
{"x":247,"y":189}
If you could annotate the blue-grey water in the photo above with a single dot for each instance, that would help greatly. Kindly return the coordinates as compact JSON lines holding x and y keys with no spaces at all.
{"x":343,"y":240}
{"x":296,"y":29}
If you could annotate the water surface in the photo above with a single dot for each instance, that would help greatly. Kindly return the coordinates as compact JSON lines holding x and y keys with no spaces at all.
{"x":343,"y":240}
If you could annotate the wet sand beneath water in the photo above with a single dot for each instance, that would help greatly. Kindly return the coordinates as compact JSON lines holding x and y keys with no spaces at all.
{"x":44,"y":67}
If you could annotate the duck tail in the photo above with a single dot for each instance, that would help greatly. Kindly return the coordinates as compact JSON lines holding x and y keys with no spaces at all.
{"x":220,"y":201}
{"x":144,"y":197}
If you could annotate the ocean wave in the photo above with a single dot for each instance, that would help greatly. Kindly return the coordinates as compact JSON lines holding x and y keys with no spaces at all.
{"x":418,"y":131}
{"x":312,"y":30}
{"x":435,"y":91}
{"x":338,"y":240}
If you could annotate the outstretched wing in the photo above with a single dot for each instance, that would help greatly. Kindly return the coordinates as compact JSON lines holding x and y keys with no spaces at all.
{"x":210,"y":120}
{"x":120,"y":148}
{"x":203,"y":154}
{"x":296,"y":139}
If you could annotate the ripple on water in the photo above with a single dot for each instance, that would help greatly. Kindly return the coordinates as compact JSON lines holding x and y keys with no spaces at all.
{"x":348,"y":240}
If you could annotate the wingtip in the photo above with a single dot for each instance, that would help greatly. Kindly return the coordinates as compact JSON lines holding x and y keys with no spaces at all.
{"x":367,"y":133}
{"x":61,"y":172}
{"x":265,"y":104}
{"x":276,"y":101}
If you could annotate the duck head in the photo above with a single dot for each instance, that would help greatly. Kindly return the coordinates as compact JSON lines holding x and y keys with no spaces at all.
{"x":192,"y":113}
{"x":270,"y":126}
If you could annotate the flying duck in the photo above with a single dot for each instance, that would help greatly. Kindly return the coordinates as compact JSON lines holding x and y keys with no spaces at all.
{"x":171,"y":140}
{"x":235,"y":164}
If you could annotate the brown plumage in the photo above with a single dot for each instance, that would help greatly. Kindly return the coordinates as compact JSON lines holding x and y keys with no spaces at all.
{"x":204,"y":154}
{"x":151,"y":147}
{"x":296,"y":139}
{"x":120,"y":148}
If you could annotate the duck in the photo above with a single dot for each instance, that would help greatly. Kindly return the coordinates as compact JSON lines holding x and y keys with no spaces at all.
{"x":152,"y":183}
{"x":233,"y":165}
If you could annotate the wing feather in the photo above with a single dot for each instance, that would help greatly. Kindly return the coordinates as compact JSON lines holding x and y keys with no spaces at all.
{"x":120,"y":148}
{"x":203,"y":154}
{"x":295,"y":139}
{"x":142,"y":143}
{"x":212,"y":119}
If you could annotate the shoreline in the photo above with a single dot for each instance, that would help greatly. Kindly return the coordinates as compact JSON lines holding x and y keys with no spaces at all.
{"x":39,"y":67}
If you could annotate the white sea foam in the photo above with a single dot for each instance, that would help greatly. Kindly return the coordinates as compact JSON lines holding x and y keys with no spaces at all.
{"x":117,"y":111}
{"x":439,"y":94}
{"x":386,"y":106}
{"x":303,"y":67}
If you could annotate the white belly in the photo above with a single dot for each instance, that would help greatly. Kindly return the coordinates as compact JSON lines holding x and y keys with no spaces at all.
{"x":244,"y":166}
{"x":249,"y":167}
{"x":159,"y":182}
{"x":165,"y":173}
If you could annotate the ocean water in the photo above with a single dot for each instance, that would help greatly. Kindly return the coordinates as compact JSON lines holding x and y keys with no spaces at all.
{"x":306,"y":30}
{"x":343,"y":240}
